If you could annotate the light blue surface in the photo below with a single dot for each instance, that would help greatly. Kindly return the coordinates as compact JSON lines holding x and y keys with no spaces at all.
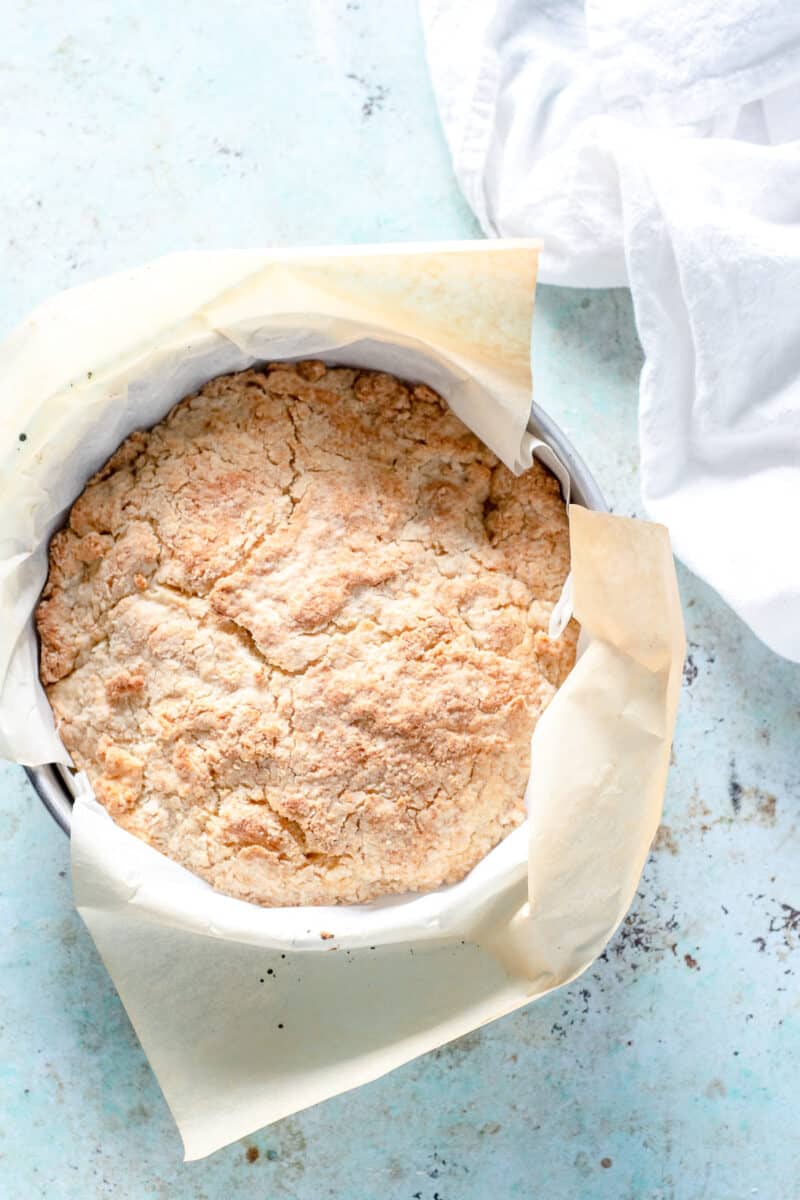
{"x":137,"y":128}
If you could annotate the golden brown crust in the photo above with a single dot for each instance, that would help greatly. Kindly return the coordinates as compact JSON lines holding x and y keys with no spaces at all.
{"x":295,"y":634}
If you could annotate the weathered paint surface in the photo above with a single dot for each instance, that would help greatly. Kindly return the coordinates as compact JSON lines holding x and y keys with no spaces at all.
{"x":672,"y":1068}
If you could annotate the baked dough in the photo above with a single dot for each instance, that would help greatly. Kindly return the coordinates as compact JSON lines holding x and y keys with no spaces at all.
{"x":296,"y":635}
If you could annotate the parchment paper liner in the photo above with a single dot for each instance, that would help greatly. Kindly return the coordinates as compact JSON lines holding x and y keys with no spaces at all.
{"x":233,"y":1054}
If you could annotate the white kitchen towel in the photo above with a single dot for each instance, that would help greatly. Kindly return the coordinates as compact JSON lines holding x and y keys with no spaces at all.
{"x":653,"y":143}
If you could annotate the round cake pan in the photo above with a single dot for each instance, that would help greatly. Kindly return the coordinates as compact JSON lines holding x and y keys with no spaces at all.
{"x":53,"y":783}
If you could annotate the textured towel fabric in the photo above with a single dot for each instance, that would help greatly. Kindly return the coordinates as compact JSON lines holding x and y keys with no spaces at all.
{"x":653,"y":144}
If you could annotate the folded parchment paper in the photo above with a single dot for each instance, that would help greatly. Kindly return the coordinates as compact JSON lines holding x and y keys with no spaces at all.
{"x":399,"y":977}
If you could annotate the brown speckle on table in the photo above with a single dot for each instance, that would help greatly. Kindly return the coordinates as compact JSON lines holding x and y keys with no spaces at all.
{"x":252,"y":1154}
{"x":606,"y":1162}
{"x":665,"y":840}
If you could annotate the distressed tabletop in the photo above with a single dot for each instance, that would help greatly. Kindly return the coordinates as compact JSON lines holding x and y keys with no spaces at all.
{"x":670,"y":1069}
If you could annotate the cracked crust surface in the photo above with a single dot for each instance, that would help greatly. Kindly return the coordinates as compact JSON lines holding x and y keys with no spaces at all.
{"x":296,"y":635}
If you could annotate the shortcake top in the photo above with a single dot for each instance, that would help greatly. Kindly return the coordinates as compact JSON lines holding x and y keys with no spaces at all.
{"x":296,"y":635}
